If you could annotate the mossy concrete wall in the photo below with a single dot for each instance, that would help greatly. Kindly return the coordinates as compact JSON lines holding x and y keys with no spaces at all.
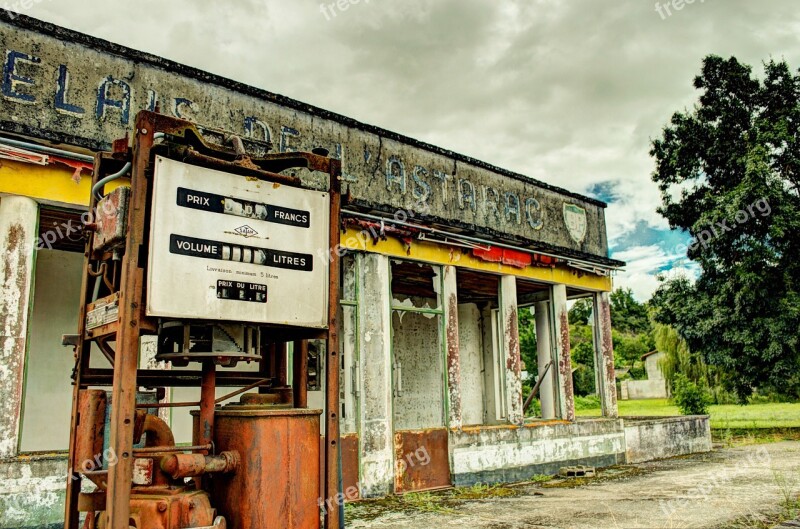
{"x":659,"y":438}
{"x":32,"y":491}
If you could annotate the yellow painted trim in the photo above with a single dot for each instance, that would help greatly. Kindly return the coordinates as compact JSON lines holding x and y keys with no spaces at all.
{"x":54,"y":184}
{"x":354,"y":239}
{"x":48,"y":183}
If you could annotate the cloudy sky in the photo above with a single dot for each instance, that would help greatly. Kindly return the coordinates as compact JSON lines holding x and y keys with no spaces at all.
{"x":567,"y":91}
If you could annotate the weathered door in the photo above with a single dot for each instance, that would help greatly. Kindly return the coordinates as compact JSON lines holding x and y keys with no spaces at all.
{"x":422,"y":459}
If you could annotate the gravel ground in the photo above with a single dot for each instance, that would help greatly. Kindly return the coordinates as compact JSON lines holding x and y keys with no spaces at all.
{"x":715,"y":490}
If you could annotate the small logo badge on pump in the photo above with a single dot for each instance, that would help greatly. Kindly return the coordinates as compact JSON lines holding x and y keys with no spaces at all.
{"x":246,"y":231}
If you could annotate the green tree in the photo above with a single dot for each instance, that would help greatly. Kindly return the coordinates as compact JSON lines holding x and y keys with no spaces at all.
{"x":580,"y":312}
{"x":527,"y":340}
{"x":582,"y":352}
{"x":629,"y":348}
{"x":729,"y":175}
{"x":627,"y":314}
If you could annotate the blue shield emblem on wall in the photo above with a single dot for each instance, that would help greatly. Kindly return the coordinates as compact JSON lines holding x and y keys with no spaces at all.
{"x":575,"y":219}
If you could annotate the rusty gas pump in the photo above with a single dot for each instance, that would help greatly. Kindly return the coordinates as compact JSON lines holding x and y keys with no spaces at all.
{"x":215,"y":253}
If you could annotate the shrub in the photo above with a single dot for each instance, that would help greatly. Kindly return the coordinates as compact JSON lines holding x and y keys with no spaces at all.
{"x":590,"y":402}
{"x":691,"y":398}
{"x":535,"y":409}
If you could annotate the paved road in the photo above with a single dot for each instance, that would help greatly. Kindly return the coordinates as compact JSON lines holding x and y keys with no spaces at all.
{"x":701,"y":491}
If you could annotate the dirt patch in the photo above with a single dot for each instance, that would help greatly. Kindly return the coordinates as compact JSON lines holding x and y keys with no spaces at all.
{"x":746,"y":487}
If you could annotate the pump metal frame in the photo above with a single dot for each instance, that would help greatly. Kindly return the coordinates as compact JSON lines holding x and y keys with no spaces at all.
{"x":185,"y":141}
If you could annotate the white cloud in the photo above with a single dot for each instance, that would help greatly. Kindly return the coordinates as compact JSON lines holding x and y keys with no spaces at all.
{"x":570,"y":92}
{"x":645,"y":264}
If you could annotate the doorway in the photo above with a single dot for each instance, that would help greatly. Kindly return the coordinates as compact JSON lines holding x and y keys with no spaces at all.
{"x":419,"y":401}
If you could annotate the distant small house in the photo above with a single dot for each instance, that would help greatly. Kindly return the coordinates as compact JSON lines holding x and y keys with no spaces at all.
{"x":655,"y":387}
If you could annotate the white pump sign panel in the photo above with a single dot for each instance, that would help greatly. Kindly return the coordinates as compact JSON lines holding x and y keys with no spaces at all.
{"x":231,"y":248}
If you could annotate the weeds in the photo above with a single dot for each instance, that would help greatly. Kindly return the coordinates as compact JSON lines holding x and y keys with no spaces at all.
{"x":441,"y":502}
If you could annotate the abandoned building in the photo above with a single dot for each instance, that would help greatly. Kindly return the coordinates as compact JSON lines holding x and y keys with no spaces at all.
{"x":440,"y":253}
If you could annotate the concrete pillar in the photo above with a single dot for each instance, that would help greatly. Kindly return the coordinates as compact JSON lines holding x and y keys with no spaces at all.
{"x":604,"y":355}
{"x":450,"y":302}
{"x":544,"y":346}
{"x":377,"y":452}
{"x":510,"y":340}
{"x":561,"y":338}
{"x":18,"y":222}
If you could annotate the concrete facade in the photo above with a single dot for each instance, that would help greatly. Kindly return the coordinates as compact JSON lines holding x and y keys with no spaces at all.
{"x":434,"y":347}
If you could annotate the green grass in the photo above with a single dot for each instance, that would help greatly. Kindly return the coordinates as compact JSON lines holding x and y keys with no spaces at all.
{"x":733,"y":416}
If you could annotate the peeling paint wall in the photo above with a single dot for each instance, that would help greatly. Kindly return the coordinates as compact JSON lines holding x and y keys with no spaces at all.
{"x":510,"y":337}
{"x":507,"y":453}
{"x":32,"y":492}
{"x":453,"y":345}
{"x":416,"y":347}
{"x":18,"y":221}
{"x":377,"y":459}
{"x":470,"y":334}
{"x":604,"y":355}
{"x":566,"y":403}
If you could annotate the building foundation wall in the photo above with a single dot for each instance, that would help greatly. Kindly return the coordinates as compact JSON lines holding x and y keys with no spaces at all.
{"x":498,"y":454}
{"x":661,"y":438}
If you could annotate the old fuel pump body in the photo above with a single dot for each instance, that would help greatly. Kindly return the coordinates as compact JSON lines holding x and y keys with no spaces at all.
{"x":222,"y":257}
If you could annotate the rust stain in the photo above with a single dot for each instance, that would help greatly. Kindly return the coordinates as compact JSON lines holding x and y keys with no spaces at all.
{"x":607,"y":349}
{"x":13,"y":309}
{"x":422,"y":460}
{"x":350,"y":464}
{"x":454,"y":362}
{"x":565,"y":367}
{"x":533,"y":424}
{"x":18,"y":276}
{"x":512,"y":331}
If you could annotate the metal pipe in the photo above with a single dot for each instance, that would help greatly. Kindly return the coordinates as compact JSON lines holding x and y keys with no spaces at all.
{"x":146,"y":406}
{"x":47,"y":150}
{"x":110,"y":178}
{"x":300,"y":374}
{"x":535,"y":389}
{"x":192,"y":465}
{"x":96,"y":290}
{"x":241,"y":390}
{"x":280,"y":364}
{"x":208,"y":387}
{"x":476,"y":239}
{"x":171,"y":449}
{"x":161,"y":434}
